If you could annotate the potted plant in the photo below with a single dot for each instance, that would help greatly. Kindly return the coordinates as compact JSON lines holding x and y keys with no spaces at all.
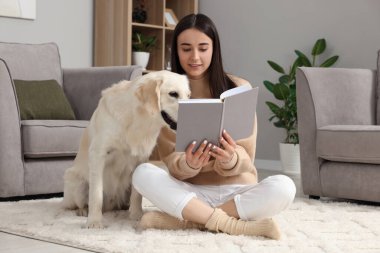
{"x":141,"y":46}
{"x":284,"y":114}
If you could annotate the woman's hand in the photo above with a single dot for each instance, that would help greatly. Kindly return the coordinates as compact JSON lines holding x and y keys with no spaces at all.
{"x":227,"y":152}
{"x":200,"y":157}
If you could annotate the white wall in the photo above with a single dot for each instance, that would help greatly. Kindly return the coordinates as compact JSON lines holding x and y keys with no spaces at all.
{"x":254,"y":31}
{"x":69,"y":23}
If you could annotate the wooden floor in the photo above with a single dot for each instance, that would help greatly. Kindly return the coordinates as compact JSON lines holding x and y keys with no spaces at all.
{"x":16,"y":244}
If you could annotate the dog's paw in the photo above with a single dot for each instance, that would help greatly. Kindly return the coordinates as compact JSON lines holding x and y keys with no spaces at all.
{"x":82,"y":212}
{"x":94,"y":225}
{"x":135,"y":215}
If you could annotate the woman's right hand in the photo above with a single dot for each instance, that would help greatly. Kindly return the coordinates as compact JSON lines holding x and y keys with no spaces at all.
{"x":200,"y":157}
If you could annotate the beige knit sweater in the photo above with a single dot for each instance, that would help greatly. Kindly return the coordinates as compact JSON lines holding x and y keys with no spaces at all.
{"x":240,"y":170}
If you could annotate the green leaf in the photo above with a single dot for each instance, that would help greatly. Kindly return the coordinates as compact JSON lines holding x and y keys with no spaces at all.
{"x":292,"y":88}
{"x":329,"y":62}
{"x":285,"y":79}
{"x":319,"y":47}
{"x":281,"y":91}
{"x":276,"y":67}
{"x":269,"y":85}
{"x":273,"y":117}
{"x":297,"y":63}
{"x":142,"y":42}
{"x":279,"y":124}
{"x":304,"y":60}
{"x":273,"y":107}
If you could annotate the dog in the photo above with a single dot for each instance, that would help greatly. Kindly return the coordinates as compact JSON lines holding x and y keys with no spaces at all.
{"x":121,"y":134}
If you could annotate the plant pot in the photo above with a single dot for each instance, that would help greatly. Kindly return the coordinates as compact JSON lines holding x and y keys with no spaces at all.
{"x":290,"y":158}
{"x":140,"y":59}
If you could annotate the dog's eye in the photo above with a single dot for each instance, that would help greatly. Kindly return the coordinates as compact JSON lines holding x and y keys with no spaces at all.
{"x":173,"y":94}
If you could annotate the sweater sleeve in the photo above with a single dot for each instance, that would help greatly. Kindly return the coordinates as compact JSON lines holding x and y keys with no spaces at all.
{"x":175,"y":161}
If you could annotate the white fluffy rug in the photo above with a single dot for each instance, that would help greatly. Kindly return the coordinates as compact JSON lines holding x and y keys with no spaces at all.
{"x":308,"y":226}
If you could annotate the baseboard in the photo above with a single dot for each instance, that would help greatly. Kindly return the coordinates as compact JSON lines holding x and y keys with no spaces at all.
{"x":268,"y":164}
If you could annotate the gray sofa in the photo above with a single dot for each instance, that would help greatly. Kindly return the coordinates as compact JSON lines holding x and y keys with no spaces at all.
{"x":35,"y":153}
{"x":339,"y":131}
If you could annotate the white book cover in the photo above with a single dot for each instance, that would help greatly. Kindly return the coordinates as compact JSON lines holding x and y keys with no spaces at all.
{"x":205,"y":119}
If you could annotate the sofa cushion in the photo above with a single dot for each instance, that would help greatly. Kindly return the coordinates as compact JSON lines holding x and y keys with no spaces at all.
{"x":349,"y":143}
{"x":42,"y":100}
{"x":32,"y":61}
{"x":51,"y":138}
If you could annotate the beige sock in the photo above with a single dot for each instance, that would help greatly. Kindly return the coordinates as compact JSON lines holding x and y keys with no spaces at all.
{"x":220,"y":221}
{"x":161,"y":220}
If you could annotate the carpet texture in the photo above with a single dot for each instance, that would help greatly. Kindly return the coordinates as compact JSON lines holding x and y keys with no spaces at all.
{"x":311,"y":226}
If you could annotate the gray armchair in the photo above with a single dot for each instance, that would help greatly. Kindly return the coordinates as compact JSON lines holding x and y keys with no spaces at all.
{"x":339,"y":131}
{"x":35,"y":153}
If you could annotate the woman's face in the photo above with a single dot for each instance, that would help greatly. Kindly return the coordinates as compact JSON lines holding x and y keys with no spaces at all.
{"x":195,"y":52}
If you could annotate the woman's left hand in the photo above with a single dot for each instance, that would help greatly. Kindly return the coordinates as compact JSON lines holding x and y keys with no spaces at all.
{"x":226,"y":153}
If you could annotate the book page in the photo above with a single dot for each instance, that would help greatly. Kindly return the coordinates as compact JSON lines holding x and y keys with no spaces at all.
{"x":239,"y":113}
{"x":199,"y":100}
{"x":235,"y":91}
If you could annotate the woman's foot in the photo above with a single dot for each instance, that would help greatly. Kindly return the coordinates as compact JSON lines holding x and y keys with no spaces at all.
{"x":220,"y":221}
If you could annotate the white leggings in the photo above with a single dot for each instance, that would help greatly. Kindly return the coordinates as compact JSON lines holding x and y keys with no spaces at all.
{"x":262,"y":200}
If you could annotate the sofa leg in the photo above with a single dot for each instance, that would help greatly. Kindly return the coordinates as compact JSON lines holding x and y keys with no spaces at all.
{"x":314,"y":197}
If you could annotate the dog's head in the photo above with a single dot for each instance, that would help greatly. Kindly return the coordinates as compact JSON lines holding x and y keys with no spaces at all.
{"x":159,"y":93}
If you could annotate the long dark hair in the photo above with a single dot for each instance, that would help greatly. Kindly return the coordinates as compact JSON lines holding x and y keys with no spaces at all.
{"x":219,"y":80}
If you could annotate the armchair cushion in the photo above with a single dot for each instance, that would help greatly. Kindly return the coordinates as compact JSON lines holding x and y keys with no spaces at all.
{"x":349,"y":143}
{"x":42,"y":100}
{"x":51,"y":138}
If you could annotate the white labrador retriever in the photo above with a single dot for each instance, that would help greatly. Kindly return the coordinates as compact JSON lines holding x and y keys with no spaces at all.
{"x":121,"y":134}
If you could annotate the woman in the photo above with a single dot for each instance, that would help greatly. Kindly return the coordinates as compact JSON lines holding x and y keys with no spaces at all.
{"x":213,"y":188}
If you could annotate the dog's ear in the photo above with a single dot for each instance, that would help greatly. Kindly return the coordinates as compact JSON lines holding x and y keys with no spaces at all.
{"x":149,"y":95}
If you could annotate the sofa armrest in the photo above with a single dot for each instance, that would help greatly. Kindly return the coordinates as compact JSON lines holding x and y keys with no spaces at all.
{"x":83,"y":86}
{"x":330,"y":96}
{"x":11,"y":158}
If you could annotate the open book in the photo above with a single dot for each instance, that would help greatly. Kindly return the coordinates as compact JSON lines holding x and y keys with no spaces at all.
{"x":205,"y":119}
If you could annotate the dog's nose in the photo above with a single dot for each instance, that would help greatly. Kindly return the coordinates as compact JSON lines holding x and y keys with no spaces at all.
{"x":173,"y":126}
